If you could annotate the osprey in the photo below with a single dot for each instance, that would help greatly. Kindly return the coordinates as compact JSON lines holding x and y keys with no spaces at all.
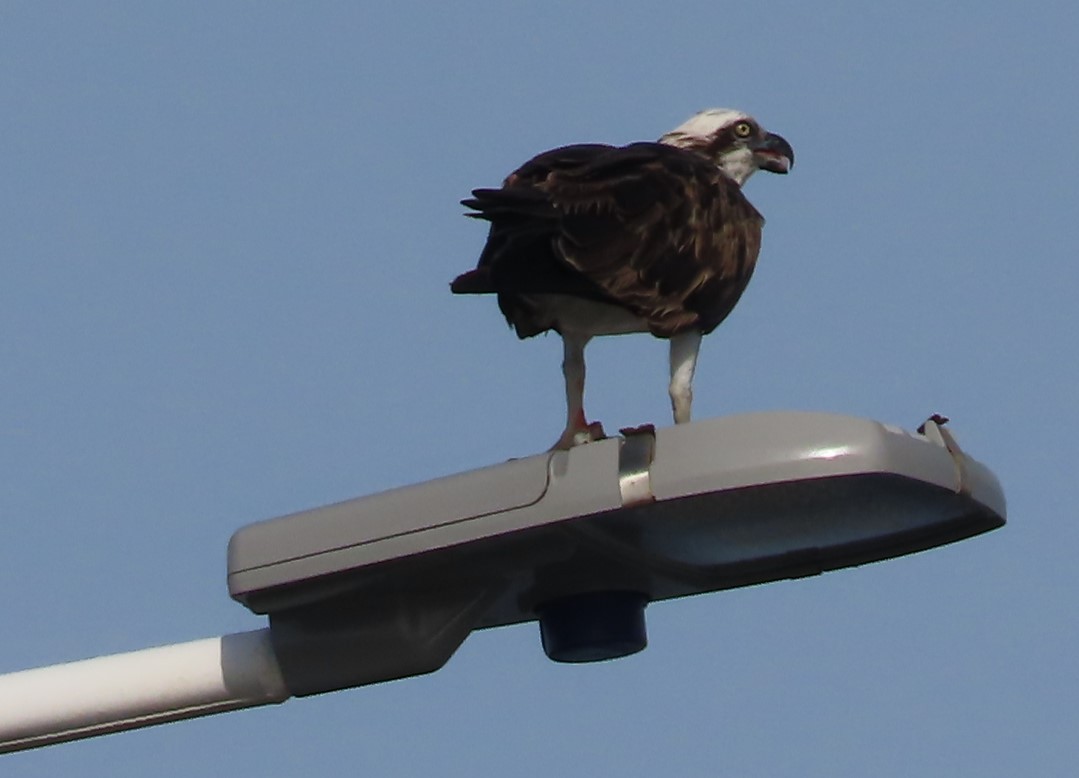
{"x":592,"y":239}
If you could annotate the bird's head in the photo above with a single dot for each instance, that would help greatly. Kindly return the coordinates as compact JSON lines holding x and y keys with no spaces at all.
{"x":735,"y":141}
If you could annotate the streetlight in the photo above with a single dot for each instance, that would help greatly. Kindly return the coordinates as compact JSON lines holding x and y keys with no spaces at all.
{"x":389,"y":585}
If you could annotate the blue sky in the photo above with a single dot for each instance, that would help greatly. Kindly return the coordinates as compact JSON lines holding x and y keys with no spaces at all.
{"x":226,"y":234}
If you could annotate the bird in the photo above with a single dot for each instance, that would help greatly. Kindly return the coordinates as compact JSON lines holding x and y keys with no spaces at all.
{"x":593,"y":239}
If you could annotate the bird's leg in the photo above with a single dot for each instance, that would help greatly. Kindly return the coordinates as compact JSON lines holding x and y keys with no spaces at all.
{"x":578,"y":430}
{"x":684,"y":349}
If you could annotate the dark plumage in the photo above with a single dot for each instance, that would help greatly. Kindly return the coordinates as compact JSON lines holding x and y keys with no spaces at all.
{"x":593,"y":239}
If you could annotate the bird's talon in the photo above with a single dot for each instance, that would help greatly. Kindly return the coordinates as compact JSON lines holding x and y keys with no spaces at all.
{"x":578,"y":436}
{"x":589,"y":434}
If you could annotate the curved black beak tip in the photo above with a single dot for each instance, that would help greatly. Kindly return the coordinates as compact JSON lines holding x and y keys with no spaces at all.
{"x":774,"y":154}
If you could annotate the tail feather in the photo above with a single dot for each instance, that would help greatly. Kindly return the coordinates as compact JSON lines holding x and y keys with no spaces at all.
{"x":492,"y":204}
{"x":476,"y":281}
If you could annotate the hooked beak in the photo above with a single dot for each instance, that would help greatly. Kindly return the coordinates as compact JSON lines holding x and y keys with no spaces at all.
{"x":773,"y":153}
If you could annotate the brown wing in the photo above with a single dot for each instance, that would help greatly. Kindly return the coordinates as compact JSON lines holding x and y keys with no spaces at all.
{"x":656,"y":229}
{"x":661,"y":230}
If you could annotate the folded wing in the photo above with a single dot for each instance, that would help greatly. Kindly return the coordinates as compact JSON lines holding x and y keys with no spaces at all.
{"x":658,"y":230}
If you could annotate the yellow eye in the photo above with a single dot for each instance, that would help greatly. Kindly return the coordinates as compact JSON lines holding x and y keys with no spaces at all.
{"x":743,"y":129}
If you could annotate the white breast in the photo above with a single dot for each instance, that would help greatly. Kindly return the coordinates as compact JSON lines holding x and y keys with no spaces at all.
{"x":566,"y":313}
